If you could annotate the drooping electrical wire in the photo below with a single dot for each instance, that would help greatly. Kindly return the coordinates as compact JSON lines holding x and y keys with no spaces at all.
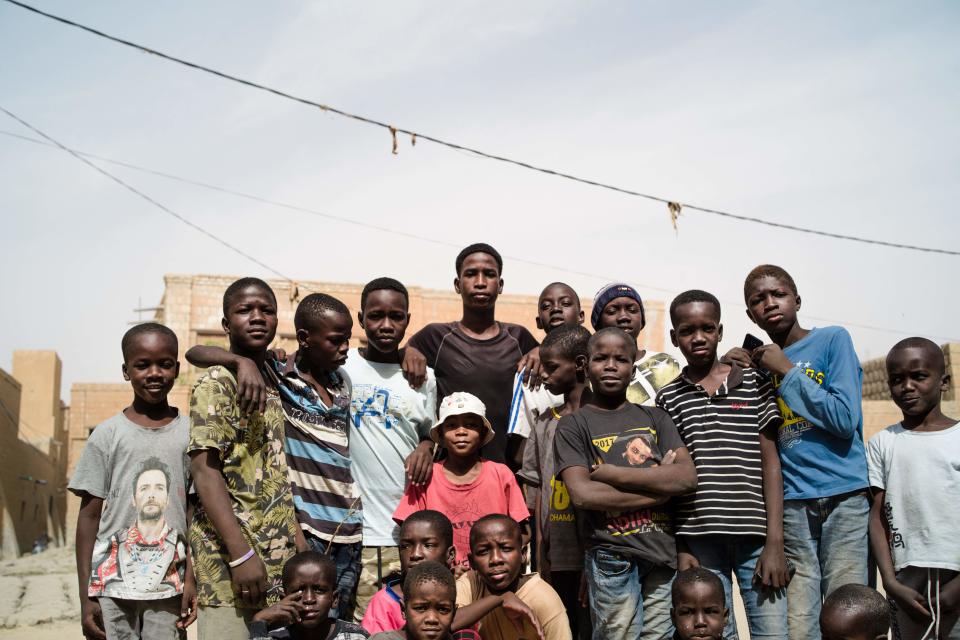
{"x":674,"y":206}
{"x":388,"y":230}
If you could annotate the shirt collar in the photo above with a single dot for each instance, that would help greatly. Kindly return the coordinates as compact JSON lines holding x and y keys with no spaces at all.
{"x":734,"y":378}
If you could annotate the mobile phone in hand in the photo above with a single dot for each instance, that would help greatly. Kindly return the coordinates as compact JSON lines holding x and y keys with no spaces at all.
{"x":751,"y":342}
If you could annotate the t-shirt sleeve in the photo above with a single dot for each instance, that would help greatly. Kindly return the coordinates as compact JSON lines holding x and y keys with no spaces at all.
{"x":465,"y":593}
{"x":667,"y":435}
{"x":92,"y":474}
{"x":526,"y":340}
{"x":516,"y":503}
{"x":571,"y":448}
{"x":876,"y":463}
{"x":213,"y":409}
{"x":427,"y":342}
{"x":378,"y":616}
{"x":768,"y":413}
{"x":555,"y":624}
{"x":429,"y":404}
{"x":530,"y":469}
{"x":519,"y":420}
{"x":414,"y":499}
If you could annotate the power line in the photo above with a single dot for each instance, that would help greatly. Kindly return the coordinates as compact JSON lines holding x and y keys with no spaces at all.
{"x":675,"y":206}
{"x":388,"y":230}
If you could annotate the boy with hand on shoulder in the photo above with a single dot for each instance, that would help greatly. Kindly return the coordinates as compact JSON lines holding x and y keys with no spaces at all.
{"x":310,"y":585}
{"x":620,"y":463}
{"x":464,"y":487}
{"x":856,"y":612}
{"x":620,"y":305}
{"x":390,"y":441}
{"x":244,"y":529}
{"x":132,"y":562}
{"x":558,"y":306}
{"x":916,"y":481}
{"x":496,"y":560}
{"x":563,"y":357}
{"x":818,"y":379}
{"x":425,"y":536}
{"x":699,"y":610}
{"x":314,"y":397}
{"x":429,"y":595}
{"x":728,"y":417}
{"x":477,"y":354}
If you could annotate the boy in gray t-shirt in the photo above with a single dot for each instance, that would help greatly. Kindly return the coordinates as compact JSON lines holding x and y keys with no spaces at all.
{"x":132,"y":560}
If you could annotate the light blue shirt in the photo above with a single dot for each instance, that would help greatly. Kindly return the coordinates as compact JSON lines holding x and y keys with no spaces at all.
{"x":821,"y":440}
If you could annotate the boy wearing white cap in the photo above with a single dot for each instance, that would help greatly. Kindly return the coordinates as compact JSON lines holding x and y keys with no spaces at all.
{"x":465,"y":487}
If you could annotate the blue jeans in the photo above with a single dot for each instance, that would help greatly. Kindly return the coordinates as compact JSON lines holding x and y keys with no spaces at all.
{"x":728,"y":554}
{"x":347,"y":557}
{"x":629,"y":598}
{"x":826,"y":540}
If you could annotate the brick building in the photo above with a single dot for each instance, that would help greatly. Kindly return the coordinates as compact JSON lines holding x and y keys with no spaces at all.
{"x":33,"y":453}
{"x":192,"y":307}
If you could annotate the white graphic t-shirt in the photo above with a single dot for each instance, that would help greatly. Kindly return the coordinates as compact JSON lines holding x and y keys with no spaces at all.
{"x":388,"y":420}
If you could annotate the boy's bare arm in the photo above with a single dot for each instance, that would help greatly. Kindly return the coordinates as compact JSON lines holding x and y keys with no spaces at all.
{"x":912,"y":602}
{"x":674,"y":479}
{"x":88,"y":523}
{"x":250,"y":577}
{"x":188,"y":603}
{"x":772,"y":564}
{"x":251,"y":387}
{"x":515,"y":609}
{"x":586,"y":493}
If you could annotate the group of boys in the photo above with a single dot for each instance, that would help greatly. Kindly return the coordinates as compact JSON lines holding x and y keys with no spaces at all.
{"x":403,"y":492}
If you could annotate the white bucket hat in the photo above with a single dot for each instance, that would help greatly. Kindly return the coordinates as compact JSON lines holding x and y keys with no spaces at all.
{"x":459,"y":403}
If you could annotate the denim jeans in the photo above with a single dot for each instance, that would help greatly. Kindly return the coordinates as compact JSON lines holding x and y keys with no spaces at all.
{"x":347,"y":558}
{"x":629,"y":598}
{"x":729,"y":554}
{"x":826,"y":540}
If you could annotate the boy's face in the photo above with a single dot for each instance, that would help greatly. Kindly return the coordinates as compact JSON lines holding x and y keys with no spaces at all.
{"x":697,"y":332}
{"x":623,"y":313}
{"x":610,"y":367}
{"x":429,"y":611}
{"x":772,"y":305}
{"x":838,"y":623}
{"x":699,"y":612}
{"x":558,"y":306}
{"x":559,"y":373}
{"x":318,"y":589}
{"x":419,"y":542}
{"x":251,"y":320}
{"x":496,"y":555}
{"x":326,"y":344}
{"x":916,"y":379}
{"x":462,"y":434}
{"x":479,"y":282}
{"x":384,"y":319}
{"x":151,"y":366}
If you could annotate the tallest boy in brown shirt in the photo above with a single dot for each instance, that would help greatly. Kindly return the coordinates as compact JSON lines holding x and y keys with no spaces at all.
{"x":477,"y":354}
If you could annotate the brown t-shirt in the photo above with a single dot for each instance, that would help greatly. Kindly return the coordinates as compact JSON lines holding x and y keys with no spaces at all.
{"x":485,"y":368}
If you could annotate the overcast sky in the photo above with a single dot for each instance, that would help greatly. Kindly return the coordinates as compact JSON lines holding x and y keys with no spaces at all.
{"x":836,"y":116}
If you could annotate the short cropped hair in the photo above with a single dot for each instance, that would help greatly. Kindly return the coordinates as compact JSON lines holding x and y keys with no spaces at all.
{"x":152,"y":463}
{"x":688,"y":297}
{"x":491,"y":517}
{"x":325,"y":562}
{"x":379,"y":284}
{"x":479,"y":247}
{"x":243,"y":283}
{"x":916,"y":342}
{"x":437,"y":521}
{"x":867,"y":605}
{"x":576,"y":296}
{"x":567,"y":341}
{"x":314,"y":307}
{"x":612,"y":331}
{"x":428,"y":571}
{"x":697,"y":574}
{"x":133,"y":334}
{"x":771,"y":270}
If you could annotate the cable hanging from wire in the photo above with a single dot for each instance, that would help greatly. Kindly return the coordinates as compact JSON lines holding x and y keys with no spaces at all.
{"x":406,"y":234}
{"x":674,"y":206}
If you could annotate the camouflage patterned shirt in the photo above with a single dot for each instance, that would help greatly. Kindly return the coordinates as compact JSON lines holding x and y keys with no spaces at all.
{"x":255,"y":472}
